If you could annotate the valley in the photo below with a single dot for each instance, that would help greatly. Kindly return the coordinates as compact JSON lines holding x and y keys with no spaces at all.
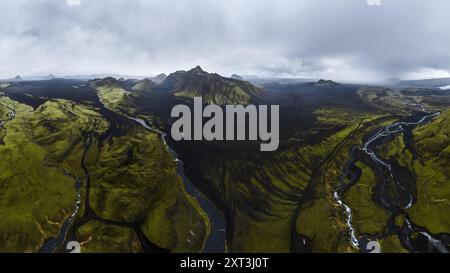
{"x":98,"y":165}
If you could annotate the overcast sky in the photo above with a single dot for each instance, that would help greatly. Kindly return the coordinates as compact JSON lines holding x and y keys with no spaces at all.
{"x":358,"y":40}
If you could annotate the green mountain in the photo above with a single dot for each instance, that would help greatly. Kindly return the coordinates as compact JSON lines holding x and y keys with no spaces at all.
{"x":113,"y":94}
{"x":145,"y":85}
{"x":212,"y":87}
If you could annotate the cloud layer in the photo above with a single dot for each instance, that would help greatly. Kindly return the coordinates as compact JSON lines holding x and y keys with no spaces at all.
{"x":343,"y":40}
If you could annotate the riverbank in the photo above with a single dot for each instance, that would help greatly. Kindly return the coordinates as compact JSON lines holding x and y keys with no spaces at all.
{"x":215,"y":242}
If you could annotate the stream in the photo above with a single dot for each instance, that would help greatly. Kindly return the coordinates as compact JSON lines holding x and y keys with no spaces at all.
{"x":52,"y":243}
{"x":215,"y":242}
{"x":385,"y":167}
{"x":73,"y":222}
{"x":11,"y":115}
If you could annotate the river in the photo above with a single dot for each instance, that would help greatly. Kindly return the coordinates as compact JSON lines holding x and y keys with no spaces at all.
{"x":52,"y":244}
{"x":368,"y":148}
{"x":215,"y":242}
{"x":89,"y":214}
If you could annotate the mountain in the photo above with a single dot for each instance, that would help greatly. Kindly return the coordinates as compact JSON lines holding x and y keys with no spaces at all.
{"x":415,"y":92}
{"x":101,"y":76}
{"x":49,"y":77}
{"x":113,"y":94}
{"x":144,"y":85}
{"x":212,"y":87}
{"x":105,"y":82}
{"x":427,"y":83}
{"x":16,"y":79}
{"x":322,"y":82}
{"x":237,"y":77}
{"x":159,"y":78}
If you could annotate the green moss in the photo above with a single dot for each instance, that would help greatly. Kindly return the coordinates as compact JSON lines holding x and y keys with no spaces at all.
{"x":334,"y":235}
{"x":267,"y":235}
{"x":96,"y":237}
{"x":35,"y":197}
{"x":432,"y":143}
{"x":368,"y":218}
{"x":391,"y":244}
{"x":133,"y":179}
{"x":433,"y":197}
{"x":114,"y":96}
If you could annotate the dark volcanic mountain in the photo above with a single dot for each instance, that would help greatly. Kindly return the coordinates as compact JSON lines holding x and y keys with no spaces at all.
{"x":17,"y":79}
{"x":212,"y":87}
{"x":322,"y":82}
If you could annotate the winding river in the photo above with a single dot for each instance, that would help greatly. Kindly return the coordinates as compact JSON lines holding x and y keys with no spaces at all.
{"x":368,"y":148}
{"x":90,"y":214}
{"x":215,"y":242}
{"x":52,"y":243}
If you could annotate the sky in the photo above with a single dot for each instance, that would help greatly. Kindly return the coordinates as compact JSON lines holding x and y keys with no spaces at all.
{"x":348,"y":40}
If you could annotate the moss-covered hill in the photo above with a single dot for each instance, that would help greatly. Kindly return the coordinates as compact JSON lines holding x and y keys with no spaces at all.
{"x":133,"y":180}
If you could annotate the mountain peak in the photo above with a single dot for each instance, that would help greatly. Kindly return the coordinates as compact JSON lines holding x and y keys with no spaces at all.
{"x":144,"y":85}
{"x":108,"y":81}
{"x":323,"y":82}
{"x":17,"y":79}
{"x":198,"y":69}
{"x":212,"y":87}
{"x":159,"y":78}
{"x":237,"y":77}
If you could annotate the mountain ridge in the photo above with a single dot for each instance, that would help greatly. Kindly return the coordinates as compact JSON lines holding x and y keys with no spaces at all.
{"x":212,"y":87}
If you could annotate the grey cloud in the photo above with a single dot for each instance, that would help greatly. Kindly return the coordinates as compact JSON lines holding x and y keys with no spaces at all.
{"x":347,"y":40}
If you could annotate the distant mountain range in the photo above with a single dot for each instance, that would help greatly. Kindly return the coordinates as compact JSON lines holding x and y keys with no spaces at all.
{"x":15,"y":79}
{"x":426,"y":83}
{"x":73,"y":77}
{"x":434,"y":83}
